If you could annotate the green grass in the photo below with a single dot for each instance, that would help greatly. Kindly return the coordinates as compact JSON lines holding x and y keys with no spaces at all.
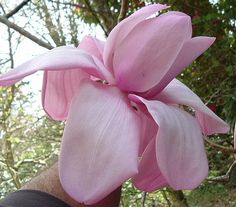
{"x":212,"y":195}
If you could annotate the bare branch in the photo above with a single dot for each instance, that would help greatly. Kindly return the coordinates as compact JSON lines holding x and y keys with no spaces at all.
{"x":4,"y":62}
{"x":95,"y":16}
{"x":14,"y":176}
{"x":51,"y":27}
{"x":166,"y":198}
{"x":19,"y":7}
{"x":80,"y":6}
{"x":123,"y":10}
{"x":31,"y":161}
{"x":228,"y":177}
{"x":102,"y":14}
{"x":25,"y":33}
{"x":219,"y":179}
{"x":220,"y":147}
{"x":9,"y":103}
{"x":68,"y":4}
{"x":9,"y":40}
{"x":144,"y":199}
{"x":59,"y":24}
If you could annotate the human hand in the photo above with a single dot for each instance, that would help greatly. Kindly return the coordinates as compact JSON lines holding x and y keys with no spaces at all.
{"x":48,"y":182}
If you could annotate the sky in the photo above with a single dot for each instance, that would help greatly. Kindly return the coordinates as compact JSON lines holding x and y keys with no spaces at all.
{"x":28,"y":50}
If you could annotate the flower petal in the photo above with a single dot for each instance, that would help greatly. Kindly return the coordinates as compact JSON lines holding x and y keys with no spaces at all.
{"x":179,"y":145}
{"x":58,"y":90}
{"x":149,"y":177}
{"x":148,"y":51}
{"x":61,"y":58}
{"x":59,"y":87}
{"x":191,"y":49}
{"x":178,"y":93}
{"x":148,"y":128}
{"x":93,"y":46}
{"x":121,"y":30}
{"x":100,"y":143}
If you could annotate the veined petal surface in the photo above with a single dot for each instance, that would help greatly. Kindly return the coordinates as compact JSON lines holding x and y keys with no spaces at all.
{"x":149,"y":177}
{"x":148,"y":128}
{"x":189,"y":52}
{"x":61,"y":58}
{"x":180,"y":149}
{"x":93,"y":46}
{"x":121,"y":30}
{"x":100,"y":143}
{"x":58,"y":90}
{"x":178,"y":93}
{"x":149,"y":50}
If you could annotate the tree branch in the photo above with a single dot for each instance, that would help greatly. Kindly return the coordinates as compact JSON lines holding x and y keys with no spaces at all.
{"x":25,"y":33}
{"x":19,"y":7}
{"x":68,"y":4}
{"x":166,"y":198}
{"x":51,"y":27}
{"x":80,"y":6}
{"x":123,"y":10}
{"x":144,"y":199}
{"x":95,"y":16}
{"x":14,"y":177}
{"x":220,"y":147}
{"x":5,"y":61}
{"x":219,"y":179}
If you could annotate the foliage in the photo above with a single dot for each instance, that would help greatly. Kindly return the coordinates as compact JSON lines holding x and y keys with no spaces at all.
{"x":28,"y":142}
{"x":131,"y":197}
{"x":213,"y":76}
{"x":209,"y":195}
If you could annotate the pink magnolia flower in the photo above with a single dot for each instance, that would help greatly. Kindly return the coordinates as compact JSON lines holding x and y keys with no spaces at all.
{"x":122,"y":106}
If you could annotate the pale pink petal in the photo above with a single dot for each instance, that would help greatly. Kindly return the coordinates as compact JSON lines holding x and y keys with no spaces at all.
{"x":178,"y":93}
{"x":58,"y":90}
{"x":62,"y":58}
{"x":148,"y":128}
{"x":189,"y":52}
{"x":121,"y":30}
{"x":93,"y":46}
{"x":149,"y":177}
{"x":179,"y":145}
{"x":148,"y":51}
{"x":100,"y":143}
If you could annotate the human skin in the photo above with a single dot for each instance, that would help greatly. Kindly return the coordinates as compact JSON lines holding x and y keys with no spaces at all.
{"x":48,"y":181}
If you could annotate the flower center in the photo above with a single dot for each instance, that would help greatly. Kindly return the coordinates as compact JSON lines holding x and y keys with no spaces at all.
{"x":102,"y":82}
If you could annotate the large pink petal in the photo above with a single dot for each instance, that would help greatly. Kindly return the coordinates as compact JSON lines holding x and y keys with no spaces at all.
{"x":178,"y":93}
{"x":189,"y":52}
{"x":121,"y":30}
{"x":148,"y":128}
{"x":93,"y":46}
{"x":58,"y":90}
{"x":62,"y":58}
{"x":148,"y":51}
{"x":179,"y":145}
{"x":59,"y":87}
{"x":100,"y":143}
{"x":149,"y":177}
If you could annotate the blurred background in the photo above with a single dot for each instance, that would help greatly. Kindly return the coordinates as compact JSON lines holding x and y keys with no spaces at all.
{"x":29,"y":141}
